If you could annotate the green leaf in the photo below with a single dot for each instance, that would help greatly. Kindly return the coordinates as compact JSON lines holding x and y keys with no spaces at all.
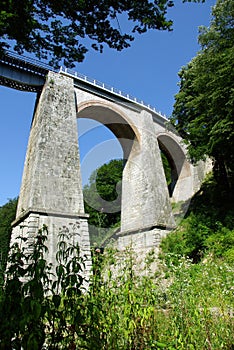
{"x":32,"y":343}
{"x":56,"y":300}
{"x":36,"y":309}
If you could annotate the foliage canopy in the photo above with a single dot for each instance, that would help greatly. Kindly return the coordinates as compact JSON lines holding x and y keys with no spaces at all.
{"x":59,"y":29}
{"x":7,"y":216}
{"x":207,"y":229}
{"x":102,"y":198}
{"x":204,"y":107}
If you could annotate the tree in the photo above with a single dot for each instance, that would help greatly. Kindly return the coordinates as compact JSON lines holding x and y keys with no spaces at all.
{"x":59,"y":30}
{"x":204,"y":107}
{"x":7,"y":215}
{"x":103,"y":193}
{"x":102,"y":197}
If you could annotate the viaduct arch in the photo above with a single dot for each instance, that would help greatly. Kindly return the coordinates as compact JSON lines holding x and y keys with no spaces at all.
{"x":182,"y":179}
{"x":51,"y":191}
{"x":113,"y":119}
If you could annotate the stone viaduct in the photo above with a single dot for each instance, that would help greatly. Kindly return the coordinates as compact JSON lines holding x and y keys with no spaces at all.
{"x":51,"y":190}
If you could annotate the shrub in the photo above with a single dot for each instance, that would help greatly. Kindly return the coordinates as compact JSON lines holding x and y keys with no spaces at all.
{"x":173,"y":307}
{"x":207,"y":228}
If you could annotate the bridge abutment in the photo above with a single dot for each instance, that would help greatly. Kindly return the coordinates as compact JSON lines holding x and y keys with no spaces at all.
{"x":51,"y":190}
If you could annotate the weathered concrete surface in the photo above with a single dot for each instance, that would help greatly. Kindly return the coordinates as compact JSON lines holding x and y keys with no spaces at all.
{"x":51,"y":176}
{"x":145,"y":197}
{"x":51,"y":191}
{"x":142,"y":241}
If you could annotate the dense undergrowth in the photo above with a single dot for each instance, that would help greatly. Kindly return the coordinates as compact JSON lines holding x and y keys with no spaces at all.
{"x":208,"y":228}
{"x":181,"y":301}
{"x":175,"y":306}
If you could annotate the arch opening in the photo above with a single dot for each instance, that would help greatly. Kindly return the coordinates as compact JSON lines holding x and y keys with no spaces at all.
{"x":179,"y":167}
{"x":169,"y":169}
{"x":117,"y":136}
{"x":114,"y":121}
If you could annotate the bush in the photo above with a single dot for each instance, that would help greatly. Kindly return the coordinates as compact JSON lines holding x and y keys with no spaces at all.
{"x":40,"y":305}
{"x":207,"y":228}
{"x":175,"y":307}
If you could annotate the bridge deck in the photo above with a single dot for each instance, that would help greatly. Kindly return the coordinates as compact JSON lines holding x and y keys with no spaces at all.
{"x":24,"y":73}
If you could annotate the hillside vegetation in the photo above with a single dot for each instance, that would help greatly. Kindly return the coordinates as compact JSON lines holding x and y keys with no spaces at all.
{"x":185,"y":303}
{"x":7,"y":216}
{"x":208,"y":227}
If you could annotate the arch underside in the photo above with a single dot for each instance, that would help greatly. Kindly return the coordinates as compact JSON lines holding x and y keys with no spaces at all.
{"x":114,"y":122}
{"x":180,"y":168}
{"x":127,"y":134}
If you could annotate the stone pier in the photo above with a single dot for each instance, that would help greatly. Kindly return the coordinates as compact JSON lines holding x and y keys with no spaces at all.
{"x":51,"y":190}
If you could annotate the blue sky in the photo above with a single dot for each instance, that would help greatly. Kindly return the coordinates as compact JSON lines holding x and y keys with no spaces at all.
{"x":148,"y":70}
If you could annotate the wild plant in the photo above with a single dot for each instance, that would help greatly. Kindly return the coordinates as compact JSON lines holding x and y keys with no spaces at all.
{"x":40,"y":308}
{"x":171,"y":305}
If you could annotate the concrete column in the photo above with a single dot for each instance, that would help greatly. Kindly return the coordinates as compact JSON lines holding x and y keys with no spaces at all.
{"x":145,"y":197}
{"x":51,"y":189}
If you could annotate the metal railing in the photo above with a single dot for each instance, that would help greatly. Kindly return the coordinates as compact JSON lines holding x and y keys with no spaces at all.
{"x":111,"y":89}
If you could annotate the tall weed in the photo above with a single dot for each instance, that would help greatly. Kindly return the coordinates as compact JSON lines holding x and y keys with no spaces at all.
{"x":126,"y":307}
